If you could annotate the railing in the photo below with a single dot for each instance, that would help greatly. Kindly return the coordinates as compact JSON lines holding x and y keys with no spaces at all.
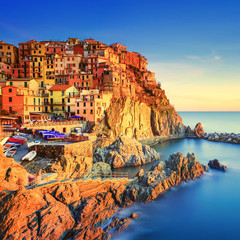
{"x":104,"y":176}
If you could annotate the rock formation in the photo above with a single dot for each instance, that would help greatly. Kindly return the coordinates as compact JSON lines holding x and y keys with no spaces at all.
{"x":216,"y":165}
{"x":11,"y":173}
{"x":83,"y":209}
{"x":198,"y":131}
{"x":162,"y":176}
{"x":125,"y":151}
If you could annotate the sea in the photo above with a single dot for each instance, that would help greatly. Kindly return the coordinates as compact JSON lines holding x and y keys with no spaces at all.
{"x":205,"y":208}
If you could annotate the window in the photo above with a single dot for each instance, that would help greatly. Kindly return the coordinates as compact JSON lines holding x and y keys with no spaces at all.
{"x":8,"y":47}
{"x":10,"y":99}
{"x":62,"y":93}
{"x":91,"y":111}
{"x":84,"y":104}
{"x":63,"y":108}
{"x":51,"y":93}
{"x":84,"y":111}
{"x":91,"y":104}
{"x":78,"y":104}
{"x":10,"y":109}
{"x":39,"y":109}
{"x":9,"y":90}
{"x":69,"y":101}
{"x":25,"y":84}
{"x":11,"y":84}
{"x":77,"y":111}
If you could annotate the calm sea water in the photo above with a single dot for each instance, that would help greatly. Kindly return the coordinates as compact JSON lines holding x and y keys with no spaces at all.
{"x":206,"y":208}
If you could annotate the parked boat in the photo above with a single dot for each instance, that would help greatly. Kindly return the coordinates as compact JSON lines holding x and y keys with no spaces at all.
{"x":10,"y":152}
{"x":30,"y":144}
{"x":29,"y":156}
{"x":54,"y":136}
{"x":14,"y":144}
{"x":17,"y":140}
{"x":20,"y":137}
{"x":4,"y":140}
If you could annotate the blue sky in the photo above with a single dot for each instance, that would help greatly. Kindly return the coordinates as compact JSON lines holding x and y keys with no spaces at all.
{"x":192,"y":45}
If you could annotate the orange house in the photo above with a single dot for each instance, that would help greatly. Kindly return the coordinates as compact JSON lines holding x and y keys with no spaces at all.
{"x":12,"y":101}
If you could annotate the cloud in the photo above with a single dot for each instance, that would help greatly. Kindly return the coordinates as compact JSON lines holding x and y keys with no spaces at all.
{"x":217,"y":58}
{"x":193,"y":57}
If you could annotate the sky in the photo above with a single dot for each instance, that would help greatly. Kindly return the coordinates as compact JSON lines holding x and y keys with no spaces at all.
{"x":193,"y":46}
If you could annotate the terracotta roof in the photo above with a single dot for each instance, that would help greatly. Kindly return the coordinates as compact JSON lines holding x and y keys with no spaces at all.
{"x":59,"y":87}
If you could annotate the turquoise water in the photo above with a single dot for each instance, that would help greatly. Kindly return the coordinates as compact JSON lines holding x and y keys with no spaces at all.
{"x":206,"y":208}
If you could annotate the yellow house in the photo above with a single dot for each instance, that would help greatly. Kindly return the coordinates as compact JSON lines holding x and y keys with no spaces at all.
{"x":49,"y":71}
{"x":8,"y":53}
{"x":32,"y":84}
{"x":61,"y":98}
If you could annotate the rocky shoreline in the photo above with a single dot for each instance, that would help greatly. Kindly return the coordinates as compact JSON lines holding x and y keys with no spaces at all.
{"x":83,"y":209}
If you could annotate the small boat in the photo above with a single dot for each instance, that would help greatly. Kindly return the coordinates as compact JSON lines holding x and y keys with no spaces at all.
{"x":30,"y":144}
{"x":7,"y":146}
{"x":30,"y":156}
{"x":10,"y":152}
{"x":17,"y":140}
{"x":14,"y":144}
{"x":20,"y":137}
{"x":4,"y":140}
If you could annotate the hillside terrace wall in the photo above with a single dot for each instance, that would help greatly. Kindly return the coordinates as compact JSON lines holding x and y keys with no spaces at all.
{"x":56,"y":150}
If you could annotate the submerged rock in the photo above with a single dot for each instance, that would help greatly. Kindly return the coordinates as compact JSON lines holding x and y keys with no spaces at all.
{"x":125,"y":151}
{"x":216,"y":165}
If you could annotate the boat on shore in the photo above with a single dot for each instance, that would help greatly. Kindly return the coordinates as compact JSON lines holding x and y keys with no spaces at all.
{"x":29,"y":156}
{"x":16,"y":140}
{"x":30,"y":144}
{"x":10,"y":152}
{"x":13,"y":144}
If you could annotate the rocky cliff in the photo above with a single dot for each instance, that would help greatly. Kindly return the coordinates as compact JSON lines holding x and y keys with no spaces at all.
{"x":137,"y":119}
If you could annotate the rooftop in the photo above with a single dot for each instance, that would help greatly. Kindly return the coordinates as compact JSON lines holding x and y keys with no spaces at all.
{"x":59,"y":87}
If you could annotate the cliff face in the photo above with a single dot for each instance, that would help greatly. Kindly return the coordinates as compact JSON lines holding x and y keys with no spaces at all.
{"x":137,"y":119}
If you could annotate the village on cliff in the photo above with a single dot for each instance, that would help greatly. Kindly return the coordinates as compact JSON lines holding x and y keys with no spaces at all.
{"x":71,"y":113}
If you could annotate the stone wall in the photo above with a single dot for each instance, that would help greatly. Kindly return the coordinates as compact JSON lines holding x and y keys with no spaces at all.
{"x":68,"y":160}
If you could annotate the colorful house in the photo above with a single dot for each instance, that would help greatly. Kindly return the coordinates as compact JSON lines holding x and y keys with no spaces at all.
{"x":92,"y":104}
{"x":62,"y":99}
{"x":8,"y":53}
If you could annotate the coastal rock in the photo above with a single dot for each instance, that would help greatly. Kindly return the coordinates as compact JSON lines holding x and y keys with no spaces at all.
{"x":101,"y":169}
{"x":162,"y":176}
{"x":35,"y":214}
{"x":12,"y":175}
{"x":198,"y":130}
{"x":139,"y":119}
{"x":216,"y":165}
{"x":125,"y":151}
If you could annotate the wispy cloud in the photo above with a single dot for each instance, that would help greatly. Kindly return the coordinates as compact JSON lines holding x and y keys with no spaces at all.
{"x":217,"y":58}
{"x":210,"y":57}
